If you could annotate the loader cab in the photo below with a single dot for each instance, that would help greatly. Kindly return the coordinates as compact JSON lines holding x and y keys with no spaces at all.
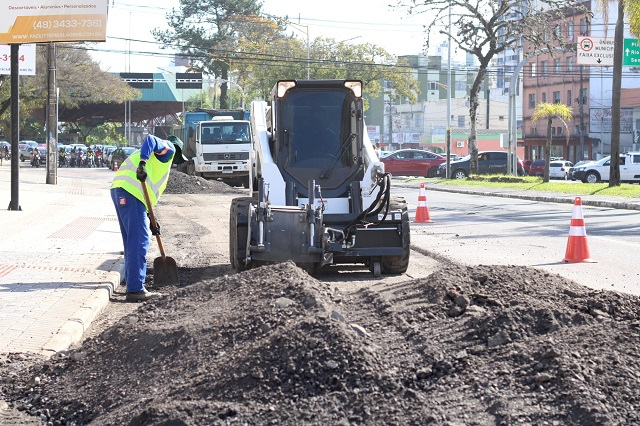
{"x":317,"y":134}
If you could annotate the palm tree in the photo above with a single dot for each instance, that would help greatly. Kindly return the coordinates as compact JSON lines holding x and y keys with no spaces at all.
{"x":632,"y":9}
{"x":549,"y":111}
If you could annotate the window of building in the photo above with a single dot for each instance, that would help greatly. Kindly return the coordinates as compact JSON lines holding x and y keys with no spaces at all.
{"x":417,"y":120}
{"x":544,"y":97}
{"x":570,"y":63}
{"x":584,"y":27}
{"x":569,"y":98}
{"x":431,"y":85}
{"x":532,"y":100}
{"x":559,"y":130}
{"x":545,"y":68}
{"x":570,"y":29}
{"x":583,"y":96}
{"x":461,"y":120}
{"x":556,"y":97}
{"x":533,"y":131}
{"x":501,"y":118}
{"x":461,"y":86}
{"x":577,"y":130}
{"x":533,"y":70}
{"x":553,"y":131}
{"x":556,"y":66}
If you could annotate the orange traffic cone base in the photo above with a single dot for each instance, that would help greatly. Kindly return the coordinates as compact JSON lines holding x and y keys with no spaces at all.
{"x":422,"y":212}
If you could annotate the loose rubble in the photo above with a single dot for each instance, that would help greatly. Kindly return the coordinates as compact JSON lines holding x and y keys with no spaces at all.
{"x":182,"y":183}
{"x":480,"y":345}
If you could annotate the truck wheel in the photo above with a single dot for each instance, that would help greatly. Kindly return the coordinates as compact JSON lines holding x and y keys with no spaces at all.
{"x":592,"y":177}
{"x":238,"y":227}
{"x":399,"y":264}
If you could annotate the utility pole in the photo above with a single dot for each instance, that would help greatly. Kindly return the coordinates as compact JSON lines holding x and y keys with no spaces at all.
{"x":52,"y":118}
{"x":581,"y":105}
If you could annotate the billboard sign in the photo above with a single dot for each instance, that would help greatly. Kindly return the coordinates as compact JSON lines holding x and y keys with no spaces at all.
{"x":600,"y":120}
{"x":42,"y":21}
{"x":26,"y":59}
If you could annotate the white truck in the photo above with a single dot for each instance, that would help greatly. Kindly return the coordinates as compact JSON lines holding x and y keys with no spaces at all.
{"x":599,"y":170}
{"x":217,"y":145}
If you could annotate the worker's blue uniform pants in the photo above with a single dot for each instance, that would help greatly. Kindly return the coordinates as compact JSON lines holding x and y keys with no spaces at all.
{"x":134,"y":227}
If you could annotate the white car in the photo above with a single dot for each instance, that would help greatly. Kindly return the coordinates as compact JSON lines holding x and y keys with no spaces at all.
{"x":560,"y":169}
{"x":599,"y":170}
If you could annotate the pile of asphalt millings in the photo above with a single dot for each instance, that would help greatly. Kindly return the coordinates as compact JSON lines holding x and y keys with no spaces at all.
{"x":467,"y":345}
{"x":182,"y":183}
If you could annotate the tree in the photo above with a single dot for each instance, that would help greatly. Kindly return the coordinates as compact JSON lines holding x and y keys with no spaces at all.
{"x":285,"y":57}
{"x":632,"y":9}
{"x":485,"y":28}
{"x":208,"y":32}
{"x":79,"y":78}
{"x":549,"y":111}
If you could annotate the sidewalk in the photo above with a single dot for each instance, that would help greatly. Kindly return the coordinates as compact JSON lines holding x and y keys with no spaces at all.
{"x":60,"y":257}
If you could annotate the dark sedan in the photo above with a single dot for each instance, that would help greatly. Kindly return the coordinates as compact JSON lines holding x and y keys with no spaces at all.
{"x":412,"y":162}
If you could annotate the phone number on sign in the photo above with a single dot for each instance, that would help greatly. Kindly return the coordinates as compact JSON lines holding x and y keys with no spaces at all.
{"x":68,"y":23}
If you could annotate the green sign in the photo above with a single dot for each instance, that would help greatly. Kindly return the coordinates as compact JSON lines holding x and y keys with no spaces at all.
{"x":631,"y":52}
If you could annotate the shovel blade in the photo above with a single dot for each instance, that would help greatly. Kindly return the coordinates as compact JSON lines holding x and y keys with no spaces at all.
{"x":165,"y":271}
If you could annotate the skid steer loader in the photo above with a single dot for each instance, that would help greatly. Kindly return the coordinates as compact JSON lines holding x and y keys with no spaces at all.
{"x":319,"y":194}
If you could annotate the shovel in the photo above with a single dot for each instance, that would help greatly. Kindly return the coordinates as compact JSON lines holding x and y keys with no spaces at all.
{"x":165,"y":270}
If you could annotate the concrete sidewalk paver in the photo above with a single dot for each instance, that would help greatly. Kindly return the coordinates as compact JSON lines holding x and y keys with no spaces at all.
{"x":60,"y":257}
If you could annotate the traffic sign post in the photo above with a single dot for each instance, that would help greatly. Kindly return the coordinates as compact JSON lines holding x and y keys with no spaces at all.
{"x":631,"y":52}
{"x":595,"y":51}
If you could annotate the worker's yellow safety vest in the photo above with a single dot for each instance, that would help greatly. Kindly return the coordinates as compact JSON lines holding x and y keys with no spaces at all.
{"x":157,"y":176}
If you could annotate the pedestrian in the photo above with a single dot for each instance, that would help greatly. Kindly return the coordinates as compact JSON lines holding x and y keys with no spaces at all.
{"x":378,"y":150}
{"x":151,"y":164}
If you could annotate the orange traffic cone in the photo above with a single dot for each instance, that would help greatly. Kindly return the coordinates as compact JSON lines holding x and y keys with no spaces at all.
{"x":422,"y":212}
{"x":577,"y":247}
{"x":115,"y":166}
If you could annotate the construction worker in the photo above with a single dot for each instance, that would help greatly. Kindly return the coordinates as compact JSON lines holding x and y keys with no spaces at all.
{"x":151,"y":164}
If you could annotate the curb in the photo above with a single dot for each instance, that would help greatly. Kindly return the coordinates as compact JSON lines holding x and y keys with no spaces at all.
{"x":74,"y":328}
{"x":568,"y":199}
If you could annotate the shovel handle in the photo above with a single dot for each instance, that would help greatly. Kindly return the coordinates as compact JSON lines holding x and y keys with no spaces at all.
{"x":152,"y":217}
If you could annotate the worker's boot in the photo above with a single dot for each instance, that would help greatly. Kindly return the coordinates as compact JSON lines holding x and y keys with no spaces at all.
{"x":141,"y":296}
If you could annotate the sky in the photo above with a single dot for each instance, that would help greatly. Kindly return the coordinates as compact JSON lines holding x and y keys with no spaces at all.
{"x":357,"y":21}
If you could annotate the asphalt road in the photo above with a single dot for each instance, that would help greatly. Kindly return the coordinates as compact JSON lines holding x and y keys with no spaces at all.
{"x":477,"y":229}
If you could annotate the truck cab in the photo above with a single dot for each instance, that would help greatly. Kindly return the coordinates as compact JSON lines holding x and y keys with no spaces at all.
{"x":223,"y":147}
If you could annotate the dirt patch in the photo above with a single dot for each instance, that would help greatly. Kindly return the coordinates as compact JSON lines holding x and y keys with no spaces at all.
{"x":466,"y":345}
{"x":182,"y":183}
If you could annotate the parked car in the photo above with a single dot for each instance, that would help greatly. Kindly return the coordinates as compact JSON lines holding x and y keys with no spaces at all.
{"x":537,"y":168}
{"x":25,"y":152}
{"x":412,"y":162}
{"x":489,"y":162}
{"x":560,"y":169}
{"x":526,"y":164}
{"x":599,"y":170}
{"x":575,"y":166}
{"x":119,"y":155}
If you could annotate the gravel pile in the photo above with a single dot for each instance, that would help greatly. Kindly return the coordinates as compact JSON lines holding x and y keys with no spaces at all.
{"x":181,"y":183}
{"x":484,"y":345}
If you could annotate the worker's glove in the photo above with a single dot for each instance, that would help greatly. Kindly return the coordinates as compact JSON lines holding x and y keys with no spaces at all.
{"x":155,"y":230}
{"x":141,"y":172}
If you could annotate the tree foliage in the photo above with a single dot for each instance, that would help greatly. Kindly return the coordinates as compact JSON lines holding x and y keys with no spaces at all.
{"x":79,"y":78}
{"x":208,"y":32}
{"x":485,"y":28}
{"x":549,"y":112}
